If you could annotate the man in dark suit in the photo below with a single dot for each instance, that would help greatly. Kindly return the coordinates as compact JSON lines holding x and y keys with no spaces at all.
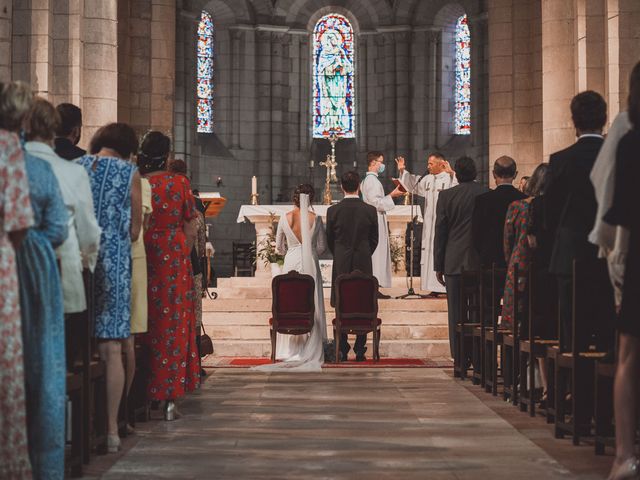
{"x":69,"y":132}
{"x":453,"y":245}
{"x":570,"y":209}
{"x":352,"y":236}
{"x":490,"y":211}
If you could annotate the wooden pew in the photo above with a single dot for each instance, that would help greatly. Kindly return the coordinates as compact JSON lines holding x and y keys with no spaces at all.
{"x":469,"y":314}
{"x":493,"y":332}
{"x":509,"y":351}
{"x":533,"y":343}
{"x":576,"y":368}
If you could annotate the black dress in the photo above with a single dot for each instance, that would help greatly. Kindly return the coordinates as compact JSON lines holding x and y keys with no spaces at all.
{"x":624,"y":212}
{"x":545,"y":297}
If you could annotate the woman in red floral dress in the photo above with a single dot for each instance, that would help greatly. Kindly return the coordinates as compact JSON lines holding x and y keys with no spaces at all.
{"x":173,"y":360}
{"x":517,"y":247}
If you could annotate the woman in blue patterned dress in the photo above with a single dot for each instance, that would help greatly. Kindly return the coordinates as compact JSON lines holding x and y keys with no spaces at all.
{"x":115,"y":185}
{"x":43,"y":319}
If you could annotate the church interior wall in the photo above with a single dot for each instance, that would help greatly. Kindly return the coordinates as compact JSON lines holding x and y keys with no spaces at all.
{"x":134,"y":61}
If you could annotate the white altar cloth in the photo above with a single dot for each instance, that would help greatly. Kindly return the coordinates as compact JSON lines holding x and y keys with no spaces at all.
{"x":259,"y":215}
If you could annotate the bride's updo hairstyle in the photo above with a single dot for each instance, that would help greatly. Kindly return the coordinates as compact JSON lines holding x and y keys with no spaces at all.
{"x":303,"y":188}
{"x":154,"y":152}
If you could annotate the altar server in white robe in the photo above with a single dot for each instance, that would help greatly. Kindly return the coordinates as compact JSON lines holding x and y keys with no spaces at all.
{"x":373,"y":194}
{"x":440,"y":177}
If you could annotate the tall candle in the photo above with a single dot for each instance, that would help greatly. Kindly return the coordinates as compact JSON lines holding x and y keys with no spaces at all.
{"x":254,"y":185}
{"x":311,"y":164}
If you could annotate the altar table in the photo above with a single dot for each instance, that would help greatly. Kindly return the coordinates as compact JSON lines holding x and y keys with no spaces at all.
{"x":259,"y":215}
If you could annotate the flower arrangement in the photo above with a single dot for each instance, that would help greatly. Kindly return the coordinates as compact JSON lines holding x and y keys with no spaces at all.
{"x":266,"y":249}
{"x":397,"y":253}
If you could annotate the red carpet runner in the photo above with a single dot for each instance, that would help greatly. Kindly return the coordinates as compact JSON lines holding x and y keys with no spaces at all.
{"x":238,"y":362}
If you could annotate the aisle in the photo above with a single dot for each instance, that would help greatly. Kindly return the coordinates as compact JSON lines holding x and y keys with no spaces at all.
{"x":377,"y":424}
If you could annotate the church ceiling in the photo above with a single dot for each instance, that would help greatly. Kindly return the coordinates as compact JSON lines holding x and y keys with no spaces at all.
{"x":369,"y":14}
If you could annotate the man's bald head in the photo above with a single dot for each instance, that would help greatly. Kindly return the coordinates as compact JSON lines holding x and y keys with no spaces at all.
{"x":505,"y":169}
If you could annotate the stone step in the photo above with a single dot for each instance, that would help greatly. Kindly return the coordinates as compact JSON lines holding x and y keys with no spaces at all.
{"x":396,"y":282}
{"x":389,"y":332}
{"x":243,"y":319}
{"x":264,"y":305}
{"x":238,"y":292}
{"x":389,"y":348}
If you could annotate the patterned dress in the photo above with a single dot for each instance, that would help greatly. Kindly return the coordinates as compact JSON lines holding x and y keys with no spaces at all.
{"x":111,"y":188}
{"x":41,"y":303}
{"x":15,"y":214}
{"x":173,"y":357}
{"x":200,"y":248}
{"x":516,"y":252}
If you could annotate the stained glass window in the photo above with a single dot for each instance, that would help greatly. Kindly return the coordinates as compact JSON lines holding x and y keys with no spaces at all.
{"x":204,"y":87}
{"x":333,"y":77}
{"x":463,"y":78}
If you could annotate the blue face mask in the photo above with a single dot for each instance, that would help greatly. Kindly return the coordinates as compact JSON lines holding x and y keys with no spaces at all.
{"x":381,"y":169}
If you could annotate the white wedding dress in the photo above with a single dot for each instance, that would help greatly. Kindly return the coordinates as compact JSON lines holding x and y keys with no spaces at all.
{"x":302,"y":352}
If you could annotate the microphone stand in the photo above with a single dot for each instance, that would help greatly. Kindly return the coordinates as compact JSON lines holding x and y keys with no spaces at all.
{"x":411,"y":293}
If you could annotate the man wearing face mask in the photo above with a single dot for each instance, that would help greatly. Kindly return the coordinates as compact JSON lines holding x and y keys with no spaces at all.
{"x":373,"y":194}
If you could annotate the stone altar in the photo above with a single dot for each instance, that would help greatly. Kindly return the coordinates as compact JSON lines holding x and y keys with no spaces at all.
{"x":259,"y":215}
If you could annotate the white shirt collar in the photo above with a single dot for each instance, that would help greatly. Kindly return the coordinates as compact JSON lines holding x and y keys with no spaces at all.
{"x":351,"y":195}
{"x":372,"y":173}
{"x":39,"y":147}
{"x":592,"y":135}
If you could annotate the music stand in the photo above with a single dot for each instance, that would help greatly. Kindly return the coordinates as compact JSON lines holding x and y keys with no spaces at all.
{"x":411,"y":293}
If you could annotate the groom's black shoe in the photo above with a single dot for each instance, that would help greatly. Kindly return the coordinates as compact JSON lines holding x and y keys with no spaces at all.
{"x":360,"y":358}
{"x":343,"y":357}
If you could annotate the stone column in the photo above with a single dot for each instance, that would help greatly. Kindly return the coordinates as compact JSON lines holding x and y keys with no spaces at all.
{"x":99,"y":77}
{"x":623,"y":37}
{"x":479,"y":117}
{"x":68,"y":58}
{"x":590,"y":51}
{"x":501,"y":43}
{"x":32,"y":46}
{"x":6,"y":19}
{"x":433,"y":45}
{"x":263,"y":73}
{"x":558,"y":74}
{"x":163,"y":62}
{"x":402,"y":82}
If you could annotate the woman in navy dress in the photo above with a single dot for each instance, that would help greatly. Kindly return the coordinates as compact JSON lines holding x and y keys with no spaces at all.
{"x":115,"y":185}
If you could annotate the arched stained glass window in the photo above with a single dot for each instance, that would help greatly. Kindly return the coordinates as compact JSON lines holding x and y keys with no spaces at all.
{"x":463,"y":78}
{"x":205,"y":74}
{"x":333,"y":77}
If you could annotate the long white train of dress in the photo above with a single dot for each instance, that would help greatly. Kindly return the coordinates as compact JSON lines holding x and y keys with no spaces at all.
{"x":302,"y":353}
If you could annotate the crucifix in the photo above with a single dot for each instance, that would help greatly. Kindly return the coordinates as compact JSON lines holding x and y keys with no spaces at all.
{"x":330,"y":164}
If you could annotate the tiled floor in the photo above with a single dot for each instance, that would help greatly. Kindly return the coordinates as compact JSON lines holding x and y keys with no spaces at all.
{"x":370,"y":424}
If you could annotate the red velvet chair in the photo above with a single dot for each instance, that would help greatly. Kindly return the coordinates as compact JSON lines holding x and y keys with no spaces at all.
{"x":357,"y":309}
{"x":292,"y":307}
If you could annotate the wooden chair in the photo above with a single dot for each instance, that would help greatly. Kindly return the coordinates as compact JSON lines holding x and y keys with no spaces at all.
{"x":493,"y":332}
{"x":243,"y":257}
{"x":604,"y":429}
{"x":577,"y":367}
{"x":509,"y":348}
{"x":74,"y":457}
{"x":469,"y":308}
{"x":478,"y":334}
{"x":533,"y":346}
{"x":357,"y":309}
{"x":292,"y":307}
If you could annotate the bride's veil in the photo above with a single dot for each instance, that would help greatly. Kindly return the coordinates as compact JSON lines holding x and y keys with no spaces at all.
{"x":308,"y":265}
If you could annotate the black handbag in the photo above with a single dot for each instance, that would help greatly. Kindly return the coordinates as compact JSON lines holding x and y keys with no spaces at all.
{"x":206,"y":344}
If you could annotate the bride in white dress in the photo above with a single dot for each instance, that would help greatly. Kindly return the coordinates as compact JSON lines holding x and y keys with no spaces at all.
{"x":301,"y":238}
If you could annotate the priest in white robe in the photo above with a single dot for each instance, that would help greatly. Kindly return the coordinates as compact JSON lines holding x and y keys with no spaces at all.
{"x":440,"y":177}
{"x":373,"y":194}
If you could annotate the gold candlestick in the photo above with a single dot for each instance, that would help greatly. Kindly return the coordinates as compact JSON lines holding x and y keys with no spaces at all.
{"x":254,"y":199}
{"x":330,"y":165}
{"x":407,"y":198}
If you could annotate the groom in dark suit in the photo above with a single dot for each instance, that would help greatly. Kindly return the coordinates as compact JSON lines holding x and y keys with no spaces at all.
{"x":352,"y":235}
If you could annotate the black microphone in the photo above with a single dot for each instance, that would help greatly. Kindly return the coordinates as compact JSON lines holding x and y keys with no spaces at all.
{"x":423,"y":175}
